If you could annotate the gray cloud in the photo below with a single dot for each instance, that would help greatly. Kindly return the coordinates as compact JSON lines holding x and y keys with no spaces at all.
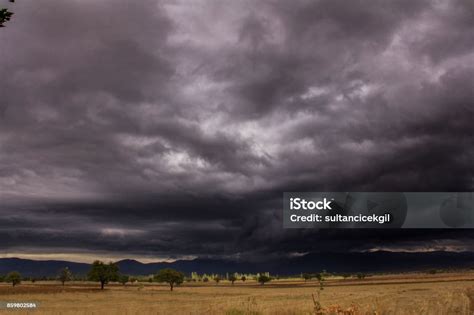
{"x":169,"y":128}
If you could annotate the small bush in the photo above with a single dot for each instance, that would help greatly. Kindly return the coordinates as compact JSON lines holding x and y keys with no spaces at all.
{"x":13,"y":277}
{"x":361,"y":276}
{"x":307,"y":276}
{"x":262,"y":279}
{"x":123,"y":279}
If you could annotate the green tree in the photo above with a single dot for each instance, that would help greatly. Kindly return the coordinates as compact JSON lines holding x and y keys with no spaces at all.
{"x":232,"y":279}
{"x":243,"y":278}
{"x":262,"y":279}
{"x":307,"y":276}
{"x":64,"y":275}
{"x":104,"y":273}
{"x":123,"y":279}
{"x":217,"y":279}
{"x":13,"y":277}
{"x":170,"y":276}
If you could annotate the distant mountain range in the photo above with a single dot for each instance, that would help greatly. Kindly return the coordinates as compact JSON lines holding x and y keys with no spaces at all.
{"x":380,"y":261}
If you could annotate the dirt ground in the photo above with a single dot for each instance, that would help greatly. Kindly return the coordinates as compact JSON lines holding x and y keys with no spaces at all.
{"x":447,"y":293}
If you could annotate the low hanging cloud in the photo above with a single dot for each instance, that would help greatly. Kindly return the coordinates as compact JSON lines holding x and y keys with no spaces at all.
{"x":171,"y":129}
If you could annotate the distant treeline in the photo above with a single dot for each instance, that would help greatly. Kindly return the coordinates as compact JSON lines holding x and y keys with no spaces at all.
{"x":104,"y":273}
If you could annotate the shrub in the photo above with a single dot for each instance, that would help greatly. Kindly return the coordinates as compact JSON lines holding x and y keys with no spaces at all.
{"x":123,"y":279}
{"x":307,"y":276}
{"x":217,"y":279}
{"x":13,"y":277}
{"x":243,"y":278}
{"x":319,"y":276}
{"x":346,"y":275}
{"x":232,"y":278}
{"x":262,"y":279}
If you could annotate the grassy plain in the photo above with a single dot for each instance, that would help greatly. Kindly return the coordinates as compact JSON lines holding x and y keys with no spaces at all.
{"x":446,"y":293}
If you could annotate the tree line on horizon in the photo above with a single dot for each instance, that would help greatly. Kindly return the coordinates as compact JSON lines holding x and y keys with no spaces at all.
{"x":105,"y":273}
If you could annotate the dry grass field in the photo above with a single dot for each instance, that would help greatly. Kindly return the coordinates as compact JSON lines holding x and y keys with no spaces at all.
{"x":448,"y":293}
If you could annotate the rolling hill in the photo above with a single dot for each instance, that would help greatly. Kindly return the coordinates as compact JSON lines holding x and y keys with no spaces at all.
{"x":380,"y":261}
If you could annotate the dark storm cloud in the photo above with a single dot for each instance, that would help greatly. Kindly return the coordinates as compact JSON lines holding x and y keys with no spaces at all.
{"x":172,"y":128}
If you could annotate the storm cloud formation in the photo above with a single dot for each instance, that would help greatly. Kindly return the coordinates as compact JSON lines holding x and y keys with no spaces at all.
{"x":165,"y":129}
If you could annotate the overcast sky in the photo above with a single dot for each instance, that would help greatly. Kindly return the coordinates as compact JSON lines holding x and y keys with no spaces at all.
{"x":170,"y":129}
